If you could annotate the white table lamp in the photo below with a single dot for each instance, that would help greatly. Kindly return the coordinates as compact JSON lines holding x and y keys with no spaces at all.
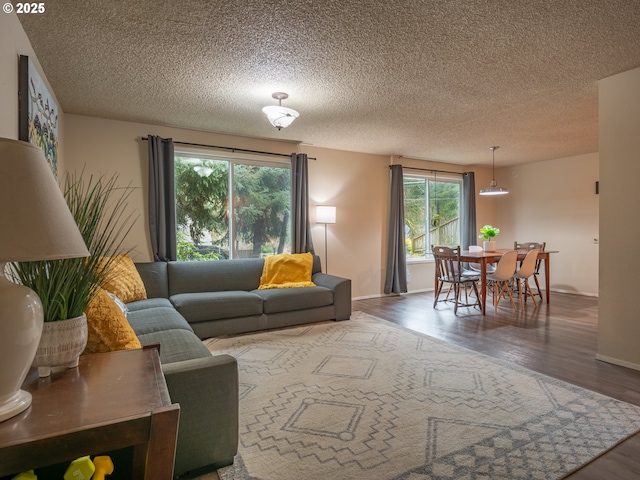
{"x":325,"y":214}
{"x":36,"y":225}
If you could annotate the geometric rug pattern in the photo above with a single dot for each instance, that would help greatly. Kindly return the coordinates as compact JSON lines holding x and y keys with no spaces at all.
{"x":367,"y":399}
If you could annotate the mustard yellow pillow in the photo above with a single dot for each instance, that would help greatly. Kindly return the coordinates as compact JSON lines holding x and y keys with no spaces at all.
{"x":108,"y":328}
{"x":287,"y":270}
{"x":124,"y":280}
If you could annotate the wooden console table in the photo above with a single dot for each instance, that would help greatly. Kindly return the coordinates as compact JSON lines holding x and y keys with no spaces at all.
{"x":109,"y":402}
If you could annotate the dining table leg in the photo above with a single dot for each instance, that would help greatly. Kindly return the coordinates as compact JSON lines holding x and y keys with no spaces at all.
{"x":483,"y":281}
{"x":546,"y":276}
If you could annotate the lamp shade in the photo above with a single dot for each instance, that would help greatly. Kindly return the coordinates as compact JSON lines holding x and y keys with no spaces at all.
{"x":494,"y":189}
{"x":36,"y":222}
{"x":279,"y":116}
{"x":325,"y":214}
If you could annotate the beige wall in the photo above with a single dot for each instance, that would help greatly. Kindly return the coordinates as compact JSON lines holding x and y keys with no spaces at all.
{"x":619,"y":327}
{"x":555,"y":202}
{"x":13,"y":43}
{"x":355,"y":183}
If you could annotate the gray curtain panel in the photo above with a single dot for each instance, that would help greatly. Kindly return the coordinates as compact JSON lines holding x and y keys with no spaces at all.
{"x":396,"y":273}
{"x":301,"y":234}
{"x":162,"y":199}
{"x":468,"y":234}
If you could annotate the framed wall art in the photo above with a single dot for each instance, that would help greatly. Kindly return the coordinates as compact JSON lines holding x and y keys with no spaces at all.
{"x":38,"y":112}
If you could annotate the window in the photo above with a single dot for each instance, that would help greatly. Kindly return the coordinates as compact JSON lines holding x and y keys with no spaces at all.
{"x":431,"y":214}
{"x":231,"y":208}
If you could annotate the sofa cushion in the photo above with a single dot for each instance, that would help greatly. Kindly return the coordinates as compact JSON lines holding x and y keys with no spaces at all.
{"x":124,"y":280}
{"x":154,"y":276}
{"x":149,"y":303}
{"x":176,"y":345}
{"x":289,"y":299}
{"x":156,"y":319}
{"x":214,"y":275}
{"x":204,"y":306}
{"x":107,"y":328}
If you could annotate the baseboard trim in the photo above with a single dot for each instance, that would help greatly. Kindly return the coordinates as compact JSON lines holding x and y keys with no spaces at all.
{"x":617,"y":361}
{"x":367,"y":297}
{"x":424,"y":290}
{"x":573,"y":292}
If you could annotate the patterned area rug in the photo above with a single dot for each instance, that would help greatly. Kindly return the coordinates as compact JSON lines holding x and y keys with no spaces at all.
{"x":366,"y":399}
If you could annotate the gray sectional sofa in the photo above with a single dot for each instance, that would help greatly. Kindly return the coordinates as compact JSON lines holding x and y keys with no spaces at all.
{"x":189,"y":301}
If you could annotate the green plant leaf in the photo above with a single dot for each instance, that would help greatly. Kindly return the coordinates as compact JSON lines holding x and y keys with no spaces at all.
{"x":65,"y":287}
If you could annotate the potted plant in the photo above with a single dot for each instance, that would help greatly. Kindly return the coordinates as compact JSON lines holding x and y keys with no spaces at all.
{"x":66,"y":287}
{"x":488,"y":233}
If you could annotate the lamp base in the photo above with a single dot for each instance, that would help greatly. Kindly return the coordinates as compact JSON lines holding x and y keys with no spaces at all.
{"x":20,"y":330}
{"x":14,"y":405}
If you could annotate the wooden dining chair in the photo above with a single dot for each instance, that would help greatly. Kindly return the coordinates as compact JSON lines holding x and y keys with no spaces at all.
{"x":526,"y":246}
{"x":526,"y":270}
{"x":502,"y":277}
{"x":449,"y":271}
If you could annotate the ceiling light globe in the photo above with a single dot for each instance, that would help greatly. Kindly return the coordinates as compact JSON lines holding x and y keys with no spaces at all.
{"x":280,"y":117}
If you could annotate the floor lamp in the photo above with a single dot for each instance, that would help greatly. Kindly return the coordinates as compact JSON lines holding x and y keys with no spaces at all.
{"x":325,"y":214}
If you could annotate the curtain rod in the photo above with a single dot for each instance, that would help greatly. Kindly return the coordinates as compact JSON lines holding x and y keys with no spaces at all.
{"x":232,"y":149}
{"x":432,"y":170}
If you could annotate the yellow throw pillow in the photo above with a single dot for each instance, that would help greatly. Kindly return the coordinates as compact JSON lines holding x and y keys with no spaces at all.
{"x":287,"y":271}
{"x":124,"y":280}
{"x":108,"y":328}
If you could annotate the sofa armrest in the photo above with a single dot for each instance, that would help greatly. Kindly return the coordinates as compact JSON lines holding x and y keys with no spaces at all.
{"x":207,"y":390}
{"x":341,"y":292}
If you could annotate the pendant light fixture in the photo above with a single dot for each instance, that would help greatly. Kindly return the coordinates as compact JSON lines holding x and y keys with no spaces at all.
{"x":493,"y":188}
{"x":279,"y":116}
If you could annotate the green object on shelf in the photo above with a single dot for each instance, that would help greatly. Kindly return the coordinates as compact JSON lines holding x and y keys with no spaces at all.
{"x":26,"y":476}
{"x":80,"y":469}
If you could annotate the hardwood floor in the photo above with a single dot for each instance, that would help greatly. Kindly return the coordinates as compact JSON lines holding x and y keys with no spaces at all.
{"x":558,"y":340}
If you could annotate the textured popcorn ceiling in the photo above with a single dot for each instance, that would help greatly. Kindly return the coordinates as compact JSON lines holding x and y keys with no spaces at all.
{"x":440,"y":80}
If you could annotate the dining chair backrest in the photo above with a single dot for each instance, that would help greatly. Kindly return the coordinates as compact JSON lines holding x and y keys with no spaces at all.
{"x":447,"y":262}
{"x":529,"y":246}
{"x":528,"y":266}
{"x":506,"y":266}
{"x":526,"y":246}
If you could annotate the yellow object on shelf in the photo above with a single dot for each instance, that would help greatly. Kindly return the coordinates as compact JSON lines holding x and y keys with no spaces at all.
{"x":80,"y":469}
{"x":104,"y":466}
{"x":26,"y":476}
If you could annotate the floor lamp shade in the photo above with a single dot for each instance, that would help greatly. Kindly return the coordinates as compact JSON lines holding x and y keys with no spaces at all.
{"x":325,"y":214}
{"x":36,"y":225}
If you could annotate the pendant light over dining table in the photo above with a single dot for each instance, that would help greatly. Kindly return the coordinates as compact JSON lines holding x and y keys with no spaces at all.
{"x":493,"y":188}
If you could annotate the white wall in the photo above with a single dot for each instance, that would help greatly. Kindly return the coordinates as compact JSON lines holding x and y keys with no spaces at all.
{"x":618,"y":326}
{"x":555,"y":202}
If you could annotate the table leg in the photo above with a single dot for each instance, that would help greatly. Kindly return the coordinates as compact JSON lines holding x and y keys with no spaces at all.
{"x":483,"y":281}
{"x":546,"y":275}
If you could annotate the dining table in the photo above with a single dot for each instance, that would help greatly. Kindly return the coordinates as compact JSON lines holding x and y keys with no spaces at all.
{"x":483,"y":258}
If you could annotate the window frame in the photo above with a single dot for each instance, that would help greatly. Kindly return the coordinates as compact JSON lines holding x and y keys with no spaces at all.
{"x":432,"y":177}
{"x":234,"y":159}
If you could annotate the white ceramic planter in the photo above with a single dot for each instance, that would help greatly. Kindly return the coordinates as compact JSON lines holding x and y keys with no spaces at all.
{"x":489,"y":245}
{"x":61,"y":344}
